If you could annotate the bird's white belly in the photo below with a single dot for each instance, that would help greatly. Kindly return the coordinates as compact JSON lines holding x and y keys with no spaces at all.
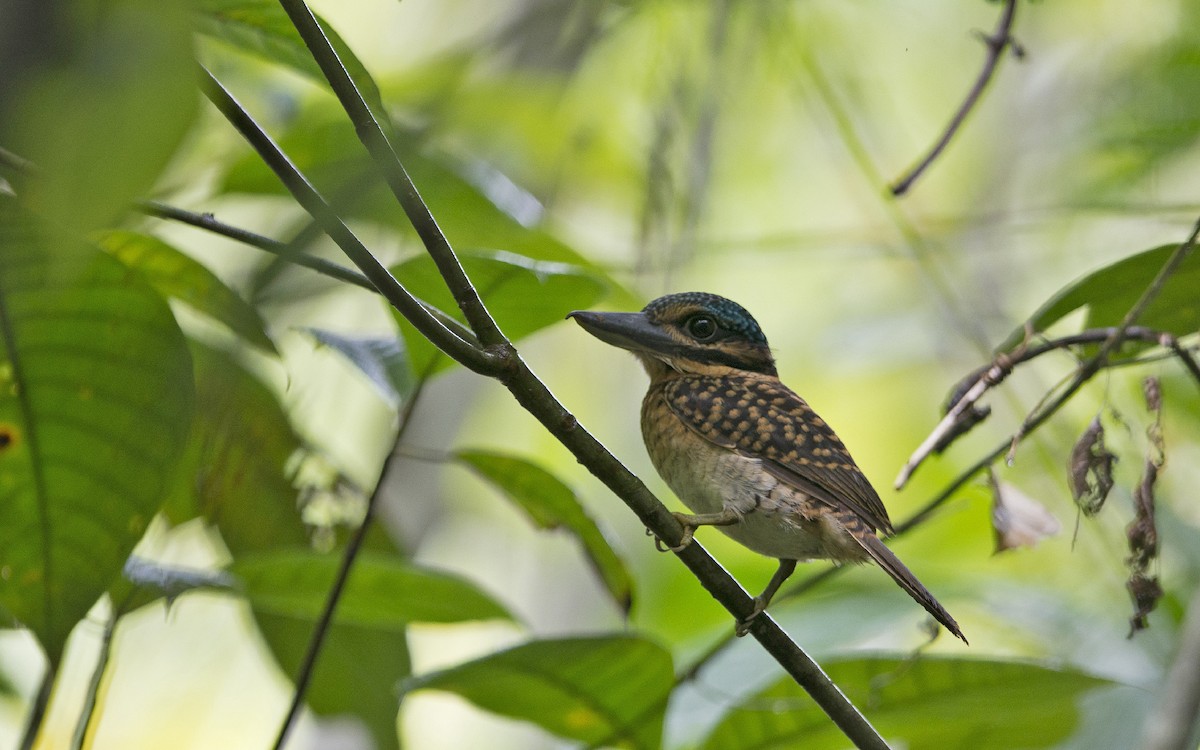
{"x":708,"y":480}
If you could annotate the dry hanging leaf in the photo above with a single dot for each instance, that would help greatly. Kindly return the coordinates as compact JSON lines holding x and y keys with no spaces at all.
{"x":1089,"y":472}
{"x":1018,"y":520}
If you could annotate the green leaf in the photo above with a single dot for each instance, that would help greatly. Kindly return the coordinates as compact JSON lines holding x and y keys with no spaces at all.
{"x":365,"y":653}
{"x":605,"y":691}
{"x":1110,"y":292}
{"x":176,"y":274}
{"x":551,"y":505}
{"x":383,"y":592}
{"x":262,"y":28}
{"x":96,"y":396}
{"x":356,"y":674}
{"x":381,"y":359}
{"x":235,"y":474}
{"x":524,"y":295}
{"x":930,"y":702}
{"x":102,"y":109}
{"x":475,"y":205}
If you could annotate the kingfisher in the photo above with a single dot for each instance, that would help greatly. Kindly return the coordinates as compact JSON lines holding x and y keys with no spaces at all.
{"x":742,"y":450}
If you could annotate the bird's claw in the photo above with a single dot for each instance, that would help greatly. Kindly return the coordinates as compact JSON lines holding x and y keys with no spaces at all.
{"x":685,"y":540}
{"x":743,"y":626}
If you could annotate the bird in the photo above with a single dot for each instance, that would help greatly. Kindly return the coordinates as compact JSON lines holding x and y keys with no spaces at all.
{"x":743,"y":451}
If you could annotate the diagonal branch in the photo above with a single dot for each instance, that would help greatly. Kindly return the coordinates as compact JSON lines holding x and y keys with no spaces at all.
{"x":372,"y":135}
{"x":999,"y":40}
{"x":306,"y":195}
{"x":354,"y":545}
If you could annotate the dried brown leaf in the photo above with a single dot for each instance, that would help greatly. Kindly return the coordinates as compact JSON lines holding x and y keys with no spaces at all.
{"x":1018,"y":520}
{"x":1089,"y":472}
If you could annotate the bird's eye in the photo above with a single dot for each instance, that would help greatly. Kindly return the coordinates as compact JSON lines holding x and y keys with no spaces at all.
{"x":701,"y":327}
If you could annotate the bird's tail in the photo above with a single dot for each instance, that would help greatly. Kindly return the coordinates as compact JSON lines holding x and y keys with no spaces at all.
{"x":887,"y":560}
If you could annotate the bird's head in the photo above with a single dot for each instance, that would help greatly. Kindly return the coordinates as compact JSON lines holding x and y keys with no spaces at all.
{"x":693,"y":332}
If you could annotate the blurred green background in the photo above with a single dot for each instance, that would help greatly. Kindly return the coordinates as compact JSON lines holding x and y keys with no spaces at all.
{"x":742,"y":148}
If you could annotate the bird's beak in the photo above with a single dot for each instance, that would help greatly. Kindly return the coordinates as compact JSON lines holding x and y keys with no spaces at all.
{"x":630,"y":331}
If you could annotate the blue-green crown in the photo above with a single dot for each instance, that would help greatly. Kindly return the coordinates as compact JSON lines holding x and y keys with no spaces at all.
{"x":729,"y":314}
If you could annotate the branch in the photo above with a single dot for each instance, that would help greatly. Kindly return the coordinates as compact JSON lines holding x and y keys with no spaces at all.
{"x":353,"y":546}
{"x":1114,"y":340}
{"x":462,"y":350}
{"x":996,"y":44}
{"x":209,"y":223}
{"x":1003,"y":365}
{"x":371,"y":133}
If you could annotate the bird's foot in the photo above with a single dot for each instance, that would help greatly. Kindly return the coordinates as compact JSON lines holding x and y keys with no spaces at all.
{"x":743,"y":626}
{"x":689,"y":532}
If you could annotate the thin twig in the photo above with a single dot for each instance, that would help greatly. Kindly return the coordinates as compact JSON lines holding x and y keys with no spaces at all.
{"x":1002,"y":366}
{"x":1000,"y":40}
{"x":1183,"y":354}
{"x":372,"y":135}
{"x":446,"y":339}
{"x":97,"y":676}
{"x":1093,"y":365}
{"x":209,"y":223}
{"x":353,"y":546}
{"x":37,"y":711}
{"x":324,"y":267}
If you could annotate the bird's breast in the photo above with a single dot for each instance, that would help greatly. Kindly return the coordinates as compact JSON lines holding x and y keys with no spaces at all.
{"x":777,"y":519}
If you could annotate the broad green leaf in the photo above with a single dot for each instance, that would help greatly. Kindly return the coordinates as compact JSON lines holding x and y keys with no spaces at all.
{"x":356,"y":674}
{"x":523,"y":295}
{"x":604,"y":691}
{"x":1110,"y":292}
{"x":383,"y":592}
{"x":923,"y":704}
{"x":234,"y":473}
{"x":176,"y":274}
{"x":365,"y":654}
{"x":262,"y":28}
{"x":381,"y":359}
{"x":475,"y":205}
{"x":96,"y":396}
{"x":102,"y":110}
{"x":551,"y":504}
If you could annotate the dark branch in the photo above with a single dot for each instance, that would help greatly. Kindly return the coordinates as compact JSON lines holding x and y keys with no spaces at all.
{"x":462,"y":350}
{"x":372,"y":135}
{"x":353,"y":546}
{"x":996,"y":44}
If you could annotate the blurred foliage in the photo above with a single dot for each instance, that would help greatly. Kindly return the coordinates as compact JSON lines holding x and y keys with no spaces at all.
{"x":578,"y":154}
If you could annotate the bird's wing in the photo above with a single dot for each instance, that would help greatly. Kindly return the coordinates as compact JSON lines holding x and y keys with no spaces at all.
{"x":762,"y":418}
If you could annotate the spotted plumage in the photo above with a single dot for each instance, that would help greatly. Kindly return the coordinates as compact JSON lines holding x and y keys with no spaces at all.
{"x":743,"y":451}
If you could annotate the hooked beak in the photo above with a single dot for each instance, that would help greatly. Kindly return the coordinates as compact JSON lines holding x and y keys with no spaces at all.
{"x":630,"y":331}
